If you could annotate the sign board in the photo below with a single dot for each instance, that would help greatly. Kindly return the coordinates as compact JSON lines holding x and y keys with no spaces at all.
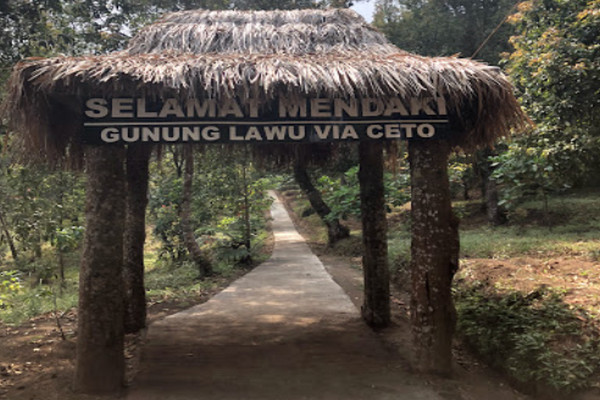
{"x":132,"y":120}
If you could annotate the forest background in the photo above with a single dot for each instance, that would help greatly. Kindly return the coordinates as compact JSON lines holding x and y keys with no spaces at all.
{"x":530,"y":204}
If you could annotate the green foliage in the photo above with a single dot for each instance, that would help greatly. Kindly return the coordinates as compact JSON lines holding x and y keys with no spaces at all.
{"x":534,"y":337}
{"x":165,"y":191}
{"x":397,"y":188}
{"x":38,"y":206}
{"x":51,"y":27}
{"x":179,"y":281}
{"x":556,"y":69}
{"x":23,"y":297}
{"x":525,"y":173}
{"x":461,"y":175}
{"x":10,"y":286}
{"x":543,"y":163}
{"x":342,"y":194}
{"x":68,"y":239}
{"x":555,"y":62}
{"x":399,"y":255}
{"x":232,"y":232}
{"x":169,"y":276}
{"x":445,"y":27}
{"x":229,"y":202}
{"x":574,"y":224}
{"x":37,"y":300}
{"x":569,"y":225}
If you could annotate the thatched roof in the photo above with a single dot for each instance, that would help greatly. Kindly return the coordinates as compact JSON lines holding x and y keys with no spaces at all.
{"x":262,"y":54}
{"x":297,"y":32}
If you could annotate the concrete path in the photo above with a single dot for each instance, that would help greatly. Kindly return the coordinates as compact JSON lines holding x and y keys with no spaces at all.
{"x":284,"y":331}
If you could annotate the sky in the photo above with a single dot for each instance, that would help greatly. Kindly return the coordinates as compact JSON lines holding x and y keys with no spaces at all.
{"x":365,"y":8}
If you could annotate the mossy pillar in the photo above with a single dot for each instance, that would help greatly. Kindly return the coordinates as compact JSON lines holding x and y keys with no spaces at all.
{"x":138,"y":156}
{"x":434,"y":251}
{"x":100,"y":362}
{"x":376,"y":306}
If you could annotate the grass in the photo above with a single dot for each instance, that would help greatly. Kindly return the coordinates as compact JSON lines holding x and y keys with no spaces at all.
{"x":178,"y":282}
{"x":299,"y":205}
{"x":29,"y":290}
{"x":398,"y":243}
{"x":30,"y":298}
{"x":511,"y":241}
{"x":572,"y":228}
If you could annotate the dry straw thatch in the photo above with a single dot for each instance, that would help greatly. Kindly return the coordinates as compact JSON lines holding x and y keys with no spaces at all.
{"x":259,"y":54}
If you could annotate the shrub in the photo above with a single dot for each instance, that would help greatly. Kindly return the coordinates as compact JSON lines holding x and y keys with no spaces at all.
{"x":534,"y":337}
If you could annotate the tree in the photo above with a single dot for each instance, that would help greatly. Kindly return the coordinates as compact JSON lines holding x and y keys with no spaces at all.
{"x":446,"y":27}
{"x":376,"y":306}
{"x":450,"y":27}
{"x":26,"y":31}
{"x":434,"y":255}
{"x":201,"y":261}
{"x":230,"y":202}
{"x":335,"y":230}
{"x":556,"y":67}
{"x":137,"y":176}
{"x":227,"y":204}
{"x":38,"y":206}
{"x":100,"y":365}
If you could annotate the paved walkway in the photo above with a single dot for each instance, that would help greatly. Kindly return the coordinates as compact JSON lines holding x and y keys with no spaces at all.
{"x":285,"y":331}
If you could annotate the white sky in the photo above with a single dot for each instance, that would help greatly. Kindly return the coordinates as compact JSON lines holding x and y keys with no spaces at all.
{"x":365,"y":8}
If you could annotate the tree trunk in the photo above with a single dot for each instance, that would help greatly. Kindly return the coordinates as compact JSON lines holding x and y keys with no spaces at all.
{"x":100,"y":360}
{"x":134,"y":237}
{"x":434,"y":250}
{"x":335,"y":230}
{"x":495,"y":213}
{"x":203,"y":264}
{"x":376,"y":307}
{"x":9,"y":239}
{"x":61,"y":220}
{"x":247,"y":225}
{"x":481,"y":165}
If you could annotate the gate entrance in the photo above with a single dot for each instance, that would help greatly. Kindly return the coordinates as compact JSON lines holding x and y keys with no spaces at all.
{"x":279,"y":80}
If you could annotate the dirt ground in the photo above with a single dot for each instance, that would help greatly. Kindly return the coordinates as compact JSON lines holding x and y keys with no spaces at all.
{"x":37,"y":360}
{"x":577,"y":277}
{"x":36,"y":363}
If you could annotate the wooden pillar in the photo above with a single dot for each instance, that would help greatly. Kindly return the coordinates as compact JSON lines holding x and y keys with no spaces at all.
{"x":100,"y":360}
{"x":376,"y":307}
{"x":134,"y":237}
{"x":434,"y":251}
